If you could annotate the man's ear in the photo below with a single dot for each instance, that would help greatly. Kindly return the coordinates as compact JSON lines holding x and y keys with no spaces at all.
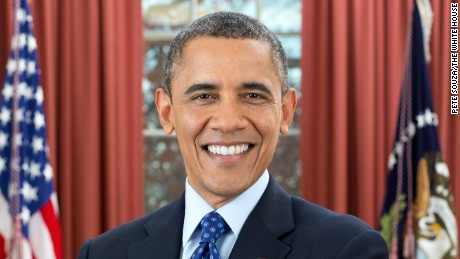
{"x":163,"y":103}
{"x":289,"y":103}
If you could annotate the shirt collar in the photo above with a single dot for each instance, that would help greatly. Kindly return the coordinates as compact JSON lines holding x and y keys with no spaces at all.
{"x":235,"y":212}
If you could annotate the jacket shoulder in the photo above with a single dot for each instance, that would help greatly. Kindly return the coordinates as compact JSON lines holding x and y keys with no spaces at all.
{"x":332,"y":235}
{"x":316,"y":217}
{"x":116,"y":242}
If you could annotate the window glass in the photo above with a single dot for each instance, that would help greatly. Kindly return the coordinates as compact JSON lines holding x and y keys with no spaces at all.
{"x":247,"y":7}
{"x":281,"y":16}
{"x":165,"y":15}
{"x":154,"y":62}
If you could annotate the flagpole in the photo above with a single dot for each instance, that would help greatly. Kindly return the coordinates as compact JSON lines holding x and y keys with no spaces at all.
{"x":15,"y":170}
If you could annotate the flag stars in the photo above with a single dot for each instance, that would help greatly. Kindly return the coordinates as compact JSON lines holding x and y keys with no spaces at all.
{"x":435,"y":119}
{"x":399,"y":148}
{"x":39,"y":120}
{"x":29,"y":193}
{"x":8,"y":91}
{"x":48,"y":172}
{"x":34,"y":170}
{"x":28,"y":93}
{"x":431,"y":118}
{"x":25,"y":215}
{"x":39,"y":96}
{"x":22,"y":65}
{"x":420,"y":120}
{"x":3,"y":140}
{"x":427,"y":118}
{"x":22,"y":89}
{"x":11,"y":66}
{"x":32,"y":44}
{"x":19,"y":115}
{"x":21,"y":39}
{"x":31,"y":68}
{"x":25,"y":167}
{"x":5,"y":116}
{"x":392,"y":161}
{"x":411,"y":129}
{"x":21,"y":15}
{"x":37,"y":144}
{"x":22,"y":86}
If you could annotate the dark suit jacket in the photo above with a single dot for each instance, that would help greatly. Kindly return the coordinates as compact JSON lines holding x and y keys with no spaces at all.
{"x":280,"y":226}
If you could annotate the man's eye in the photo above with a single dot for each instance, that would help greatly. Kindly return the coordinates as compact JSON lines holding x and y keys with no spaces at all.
{"x":203,"y":96}
{"x":253,"y":96}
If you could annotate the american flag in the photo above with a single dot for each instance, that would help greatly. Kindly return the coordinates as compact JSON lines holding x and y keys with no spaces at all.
{"x":29,"y":220}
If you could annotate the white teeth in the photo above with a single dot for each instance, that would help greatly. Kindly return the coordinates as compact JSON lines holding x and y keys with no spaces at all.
{"x":228,"y":150}
{"x":231,"y":150}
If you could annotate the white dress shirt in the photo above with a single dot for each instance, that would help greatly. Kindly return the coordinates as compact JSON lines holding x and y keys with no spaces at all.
{"x":235,"y":214}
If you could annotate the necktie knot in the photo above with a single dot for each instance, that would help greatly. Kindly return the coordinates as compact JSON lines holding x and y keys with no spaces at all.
{"x":213,"y":226}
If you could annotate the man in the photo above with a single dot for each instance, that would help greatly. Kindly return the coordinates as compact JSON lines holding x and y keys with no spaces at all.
{"x":226,"y":97}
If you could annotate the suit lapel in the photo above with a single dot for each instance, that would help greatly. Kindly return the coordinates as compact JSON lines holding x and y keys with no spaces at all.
{"x":259,"y":238}
{"x":271,"y":218}
{"x":165,"y":234}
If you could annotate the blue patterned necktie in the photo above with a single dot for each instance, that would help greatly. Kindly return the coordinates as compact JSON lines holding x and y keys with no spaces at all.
{"x":212,"y":227}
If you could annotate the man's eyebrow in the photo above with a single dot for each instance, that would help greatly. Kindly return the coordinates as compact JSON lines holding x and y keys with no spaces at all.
{"x":200,"y":86}
{"x":257,"y":86}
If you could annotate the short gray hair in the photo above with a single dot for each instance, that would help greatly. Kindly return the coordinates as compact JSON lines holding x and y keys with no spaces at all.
{"x":225,"y":25}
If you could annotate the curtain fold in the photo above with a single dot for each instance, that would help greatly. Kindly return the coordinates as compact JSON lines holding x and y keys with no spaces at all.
{"x":352,"y":64}
{"x":91,"y":58}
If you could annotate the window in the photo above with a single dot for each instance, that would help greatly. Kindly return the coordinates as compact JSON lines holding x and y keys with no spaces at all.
{"x":164,"y":168}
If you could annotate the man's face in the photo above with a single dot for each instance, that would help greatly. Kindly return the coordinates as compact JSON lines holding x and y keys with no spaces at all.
{"x":227,"y":111}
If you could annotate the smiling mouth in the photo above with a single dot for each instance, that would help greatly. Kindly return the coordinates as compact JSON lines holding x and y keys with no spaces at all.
{"x":228,"y":150}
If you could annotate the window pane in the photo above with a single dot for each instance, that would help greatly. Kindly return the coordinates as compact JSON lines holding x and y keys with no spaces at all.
{"x":281,"y":16}
{"x":154,"y":63}
{"x":285,"y":166}
{"x":294,"y":82}
{"x":164,"y":171}
{"x":165,"y":15}
{"x":292,"y":46}
{"x":247,"y":7}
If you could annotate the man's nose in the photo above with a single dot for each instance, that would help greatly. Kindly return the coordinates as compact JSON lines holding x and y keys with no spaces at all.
{"x":229,"y":116}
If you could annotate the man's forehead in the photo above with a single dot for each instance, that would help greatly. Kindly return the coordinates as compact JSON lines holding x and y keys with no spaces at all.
{"x":205,"y":50}
{"x":206,"y":42}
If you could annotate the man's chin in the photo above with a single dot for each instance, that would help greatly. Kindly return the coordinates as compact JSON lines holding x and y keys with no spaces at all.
{"x":226,"y":192}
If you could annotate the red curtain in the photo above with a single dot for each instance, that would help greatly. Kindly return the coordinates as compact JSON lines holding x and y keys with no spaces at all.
{"x":91,"y":58}
{"x":352,"y":61}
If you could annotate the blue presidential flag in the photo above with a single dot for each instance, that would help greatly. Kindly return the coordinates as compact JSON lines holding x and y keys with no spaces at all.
{"x":418,"y":218}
